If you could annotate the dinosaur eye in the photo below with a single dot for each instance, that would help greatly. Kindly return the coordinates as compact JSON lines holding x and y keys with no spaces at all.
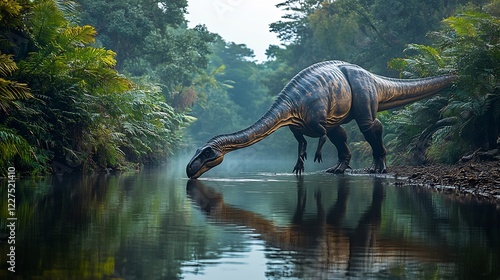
{"x":207,"y":153}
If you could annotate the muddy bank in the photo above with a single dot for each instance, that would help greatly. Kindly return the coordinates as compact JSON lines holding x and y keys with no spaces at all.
{"x":477,"y":180}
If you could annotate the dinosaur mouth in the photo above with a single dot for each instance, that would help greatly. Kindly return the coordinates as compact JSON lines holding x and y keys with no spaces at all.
{"x":195,"y":169}
{"x":195,"y":174}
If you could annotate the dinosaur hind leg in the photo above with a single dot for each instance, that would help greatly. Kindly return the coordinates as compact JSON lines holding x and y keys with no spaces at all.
{"x":373,"y":135}
{"x":338,"y":137}
{"x":364,"y":108}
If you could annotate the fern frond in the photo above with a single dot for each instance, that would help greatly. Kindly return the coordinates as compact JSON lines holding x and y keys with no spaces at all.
{"x":46,"y":21}
{"x":462,"y":26}
{"x":77,"y":36}
{"x":10,"y":7}
{"x":12,"y":145}
{"x":7,"y":65}
{"x":10,"y":90}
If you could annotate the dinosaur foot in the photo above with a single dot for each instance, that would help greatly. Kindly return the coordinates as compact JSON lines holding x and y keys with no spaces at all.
{"x":378,"y":166}
{"x":299,"y":167}
{"x":318,"y":157}
{"x":340,"y":167}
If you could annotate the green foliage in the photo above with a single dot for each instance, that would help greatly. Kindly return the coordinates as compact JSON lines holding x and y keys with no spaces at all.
{"x":427,"y":62}
{"x":445,"y":151}
{"x":124,"y":24}
{"x":9,"y":9}
{"x":468,"y":45}
{"x":404,"y":126}
{"x":10,"y":90}
{"x":84,"y":114}
{"x":217,"y":117}
{"x":12,"y":146}
{"x":151,"y":127}
{"x":150,"y":39}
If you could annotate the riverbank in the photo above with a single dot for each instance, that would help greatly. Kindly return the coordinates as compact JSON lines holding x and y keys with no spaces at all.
{"x":476,"y":180}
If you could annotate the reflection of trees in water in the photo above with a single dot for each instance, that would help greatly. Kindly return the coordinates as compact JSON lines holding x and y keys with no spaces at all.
{"x":323,"y":246}
{"x":55,"y":231}
{"x":471,"y":230}
{"x":93,"y":227}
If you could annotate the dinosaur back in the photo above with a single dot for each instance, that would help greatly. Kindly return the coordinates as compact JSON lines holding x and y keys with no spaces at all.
{"x":319,"y":92}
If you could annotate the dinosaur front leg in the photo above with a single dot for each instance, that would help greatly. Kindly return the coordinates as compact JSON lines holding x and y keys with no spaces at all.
{"x":317,"y":155}
{"x":302,"y":151}
{"x":338,"y":136}
{"x":319,"y":129}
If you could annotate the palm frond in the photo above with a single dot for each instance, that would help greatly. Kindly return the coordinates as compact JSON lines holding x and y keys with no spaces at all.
{"x":77,"y":36}
{"x":462,"y":26}
{"x":12,"y":145}
{"x":46,"y":21}
{"x":7,"y":65}
{"x":427,"y":51}
{"x":10,"y":7}
{"x":10,"y":90}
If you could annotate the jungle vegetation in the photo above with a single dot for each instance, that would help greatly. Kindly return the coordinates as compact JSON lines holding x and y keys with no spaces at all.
{"x":97,"y":84}
{"x":67,"y":100}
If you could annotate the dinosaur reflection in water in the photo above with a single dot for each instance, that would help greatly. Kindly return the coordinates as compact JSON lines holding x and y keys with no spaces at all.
{"x":330,"y":248}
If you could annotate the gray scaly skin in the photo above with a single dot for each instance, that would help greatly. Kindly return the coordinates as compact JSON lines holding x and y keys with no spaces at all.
{"x":315,"y":103}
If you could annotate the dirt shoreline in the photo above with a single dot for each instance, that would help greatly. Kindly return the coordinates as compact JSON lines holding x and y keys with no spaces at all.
{"x":478,"y":180}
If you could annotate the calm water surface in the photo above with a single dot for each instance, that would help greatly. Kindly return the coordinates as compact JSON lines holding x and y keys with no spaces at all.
{"x":157,"y":224}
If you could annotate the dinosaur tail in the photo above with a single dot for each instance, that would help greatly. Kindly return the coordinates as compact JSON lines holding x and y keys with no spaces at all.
{"x":394,"y":93}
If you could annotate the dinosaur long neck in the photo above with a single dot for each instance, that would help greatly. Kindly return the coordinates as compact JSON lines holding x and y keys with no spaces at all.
{"x":398,"y":92}
{"x":277,"y":116}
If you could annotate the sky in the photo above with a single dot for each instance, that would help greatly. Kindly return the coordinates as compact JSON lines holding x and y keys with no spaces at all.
{"x":240,"y":21}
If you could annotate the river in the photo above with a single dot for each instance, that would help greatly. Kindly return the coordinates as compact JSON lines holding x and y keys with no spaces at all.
{"x":245,"y":223}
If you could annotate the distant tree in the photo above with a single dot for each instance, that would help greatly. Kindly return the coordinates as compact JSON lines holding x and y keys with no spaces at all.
{"x":365,"y":32}
{"x":123,"y":24}
{"x":246,"y":91}
{"x":236,"y":98}
{"x":151,"y":39}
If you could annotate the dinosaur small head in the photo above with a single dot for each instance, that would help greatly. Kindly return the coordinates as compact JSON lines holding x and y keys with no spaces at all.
{"x":203,"y":160}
